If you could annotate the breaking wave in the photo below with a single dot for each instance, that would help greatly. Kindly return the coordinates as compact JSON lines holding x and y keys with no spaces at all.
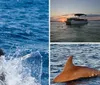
{"x":18,"y":70}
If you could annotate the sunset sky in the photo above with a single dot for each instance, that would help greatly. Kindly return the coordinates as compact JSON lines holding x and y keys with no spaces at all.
{"x":62,"y":7}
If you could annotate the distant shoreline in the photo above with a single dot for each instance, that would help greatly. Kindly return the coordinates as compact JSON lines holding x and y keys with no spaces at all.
{"x":88,"y":20}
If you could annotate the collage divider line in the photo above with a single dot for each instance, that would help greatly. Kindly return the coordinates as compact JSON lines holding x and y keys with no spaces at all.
{"x":49,"y":43}
{"x":74,"y":42}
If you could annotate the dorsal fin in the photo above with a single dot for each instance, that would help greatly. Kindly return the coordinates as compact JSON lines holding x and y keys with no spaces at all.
{"x":62,"y":76}
{"x":69,"y":63}
{"x":72,"y":72}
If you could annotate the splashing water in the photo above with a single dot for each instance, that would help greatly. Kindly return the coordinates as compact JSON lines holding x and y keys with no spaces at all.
{"x":19,"y":70}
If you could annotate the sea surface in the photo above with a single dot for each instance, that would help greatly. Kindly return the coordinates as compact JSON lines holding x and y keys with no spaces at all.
{"x":60,"y":32}
{"x":83,"y":55}
{"x":24,"y":39}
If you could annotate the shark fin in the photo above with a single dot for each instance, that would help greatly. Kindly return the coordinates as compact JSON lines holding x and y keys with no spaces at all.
{"x":72,"y":72}
{"x":62,"y":76}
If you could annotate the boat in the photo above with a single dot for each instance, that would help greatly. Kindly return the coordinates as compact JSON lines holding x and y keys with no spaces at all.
{"x":76,"y":20}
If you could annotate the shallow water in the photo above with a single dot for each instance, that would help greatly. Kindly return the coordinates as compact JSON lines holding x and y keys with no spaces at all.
{"x":84,"y":55}
{"x":60,"y":32}
{"x":24,"y":30}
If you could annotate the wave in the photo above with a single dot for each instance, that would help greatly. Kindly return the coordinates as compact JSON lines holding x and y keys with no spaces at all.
{"x":8,"y":4}
{"x":25,"y":70}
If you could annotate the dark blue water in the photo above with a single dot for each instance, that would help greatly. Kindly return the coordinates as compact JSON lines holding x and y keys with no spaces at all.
{"x":60,"y":32}
{"x":24,"y":30}
{"x":83,"y":55}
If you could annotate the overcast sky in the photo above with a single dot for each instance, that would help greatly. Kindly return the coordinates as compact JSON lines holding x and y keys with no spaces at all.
{"x":61,"y":7}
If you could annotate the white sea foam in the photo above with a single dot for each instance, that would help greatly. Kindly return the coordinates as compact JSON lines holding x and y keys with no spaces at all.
{"x":16,"y":73}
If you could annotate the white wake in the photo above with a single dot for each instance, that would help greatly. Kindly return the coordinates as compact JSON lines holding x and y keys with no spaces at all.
{"x":16,"y":73}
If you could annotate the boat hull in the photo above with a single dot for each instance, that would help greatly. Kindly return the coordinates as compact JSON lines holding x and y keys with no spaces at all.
{"x":76,"y":21}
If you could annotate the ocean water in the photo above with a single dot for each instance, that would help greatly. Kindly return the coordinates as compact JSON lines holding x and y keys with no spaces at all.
{"x":24,"y":39}
{"x":83,"y":55}
{"x":60,"y":32}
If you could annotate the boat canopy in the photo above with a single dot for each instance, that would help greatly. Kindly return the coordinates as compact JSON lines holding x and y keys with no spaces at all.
{"x":79,"y":14}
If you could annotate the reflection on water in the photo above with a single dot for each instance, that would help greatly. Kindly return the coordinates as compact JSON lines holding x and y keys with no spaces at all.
{"x":60,"y":32}
{"x":76,"y":26}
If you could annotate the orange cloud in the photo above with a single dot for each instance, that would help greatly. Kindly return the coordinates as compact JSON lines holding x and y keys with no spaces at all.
{"x":63,"y":18}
